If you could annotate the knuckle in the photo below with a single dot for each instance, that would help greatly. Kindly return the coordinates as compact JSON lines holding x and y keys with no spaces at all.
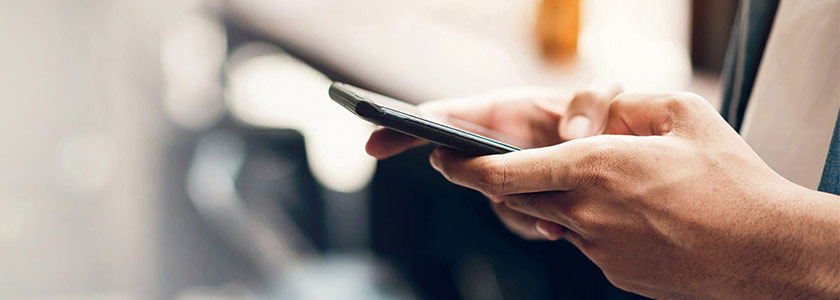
{"x":584,"y":94}
{"x":587,"y":221}
{"x":582,"y":98}
{"x":609,"y":165}
{"x":520,"y":203}
{"x":675,"y":105}
{"x":492,"y":176}
{"x":599,"y":163}
{"x":679,"y":103}
{"x":519,"y":224}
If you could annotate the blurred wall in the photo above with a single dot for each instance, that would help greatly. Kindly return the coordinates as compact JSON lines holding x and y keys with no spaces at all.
{"x":81,"y":135}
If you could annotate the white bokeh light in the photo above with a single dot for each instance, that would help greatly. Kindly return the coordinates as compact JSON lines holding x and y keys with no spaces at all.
{"x":192,"y":53}
{"x":269,"y":88}
{"x":641,"y":45}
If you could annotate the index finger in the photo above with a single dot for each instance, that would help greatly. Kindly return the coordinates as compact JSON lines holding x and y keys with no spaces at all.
{"x":564,"y":167}
{"x":526,"y":171}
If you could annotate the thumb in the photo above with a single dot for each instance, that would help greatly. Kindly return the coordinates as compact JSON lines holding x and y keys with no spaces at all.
{"x":660,"y":114}
{"x":587,"y":114}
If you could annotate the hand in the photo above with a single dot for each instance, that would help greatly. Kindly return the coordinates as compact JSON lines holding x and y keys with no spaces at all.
{"x":537,"y":117}
{"x":670,"y":203}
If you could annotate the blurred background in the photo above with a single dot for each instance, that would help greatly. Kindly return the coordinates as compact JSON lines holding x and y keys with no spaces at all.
{"x":187,"y":149}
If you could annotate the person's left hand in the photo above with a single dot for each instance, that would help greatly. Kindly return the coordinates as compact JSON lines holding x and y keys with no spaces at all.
{"x":669,"y":202}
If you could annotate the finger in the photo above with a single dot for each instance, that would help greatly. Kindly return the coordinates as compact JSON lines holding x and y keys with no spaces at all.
{"x":587,"y":113}
{"x":654,"y":114}
{"x":574,"y":238}
{"x":477,"y":114}
{"x":521,"y":223}
{"x":526,"y":171}
{"x":525,"y":225}
{"x":384,"y":143}
{"x":486,"y":109}
{"x":515,"y":117}
{"x":564,"y":167}
{"x":549,"y":206}
{"x":550,"y":230}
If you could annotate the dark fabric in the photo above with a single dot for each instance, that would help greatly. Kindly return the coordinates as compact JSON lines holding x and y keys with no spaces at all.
{"x":435,"y":233}
{"x":753,"y":22}
{"x":830,"y":181}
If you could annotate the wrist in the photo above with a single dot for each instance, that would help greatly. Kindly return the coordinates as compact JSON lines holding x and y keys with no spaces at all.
{"x":820,"y":235}
{"x":801,"y":247}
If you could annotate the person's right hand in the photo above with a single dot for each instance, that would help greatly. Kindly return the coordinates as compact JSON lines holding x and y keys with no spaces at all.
{"x":533,"y":116}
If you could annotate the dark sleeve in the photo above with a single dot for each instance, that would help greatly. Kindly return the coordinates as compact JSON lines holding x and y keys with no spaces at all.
{"x":830,"y":181}
{"x":750,"y":31}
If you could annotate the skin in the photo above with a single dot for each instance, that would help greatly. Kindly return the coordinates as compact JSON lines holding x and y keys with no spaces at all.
{"x":656,"y":189}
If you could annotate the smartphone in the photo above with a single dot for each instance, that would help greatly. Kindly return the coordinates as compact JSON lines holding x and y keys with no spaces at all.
{"x":406,"y":118}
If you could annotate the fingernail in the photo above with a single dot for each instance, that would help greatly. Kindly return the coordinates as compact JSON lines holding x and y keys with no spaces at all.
{"x":547,"y":229}
{"x":578,"y":127}
{"x":542,"y":230}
